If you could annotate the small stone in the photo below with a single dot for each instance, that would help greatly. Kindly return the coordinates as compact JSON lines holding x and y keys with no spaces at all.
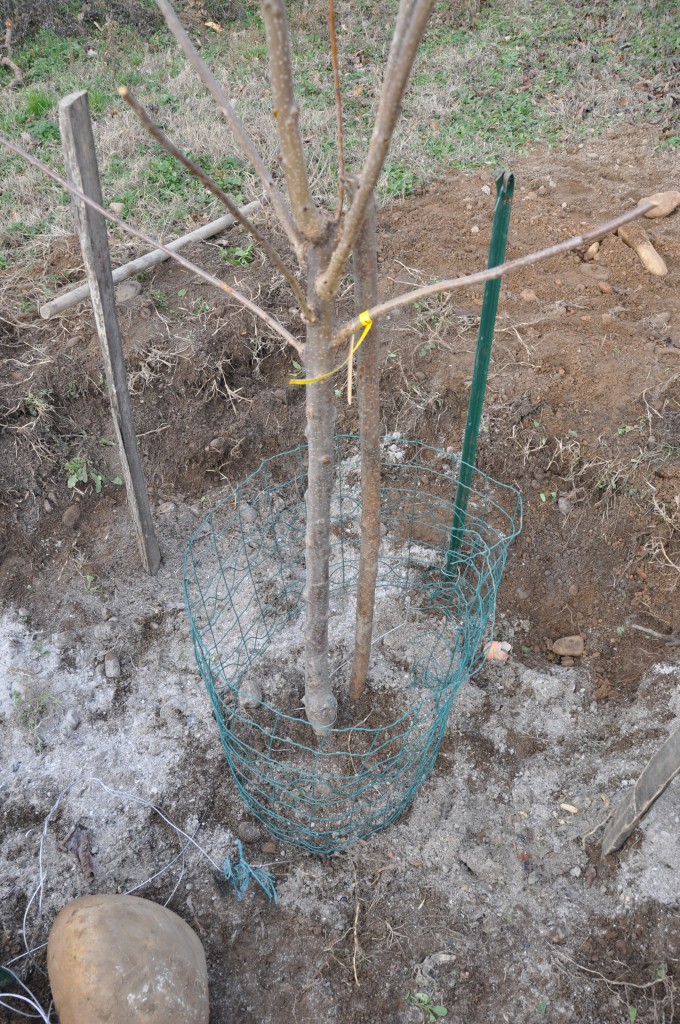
{"x":569,"y":646}
{"x":117,"y":208}
{"x":529,"y":295}
{"x":541,"y":190}
{"x":125,"y":960}
{"x":575,"y":872}
{"x":636,"y":238}
{"x":65,"y":640}
{"x":70,"y":721}
{"x":111,"y":666}
{"x":126,"y":291}
{"x":486,"y":189}
{"x":592,"y":251}
{"x":51,"y":496}
{"x":474,"y":230}
{"x":219,"y":444}
{"x":556,"y":936}
{"x":530,"y":196}
{"x":250,"y":693}
{"x":248,"y":832}
{"x":665,"y":203}
{"x":165,"y":507}
{"x":567,"y":662}
{"x":605,"y":287}
{"x":564,"y":506}
{"x":247,"y":514}
{"x":573,"y":590}
{"x":71,"y":516}
{"x":47,"y":506}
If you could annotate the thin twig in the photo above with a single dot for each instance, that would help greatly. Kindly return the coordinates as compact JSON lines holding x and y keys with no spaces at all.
{"x":672,"y":638}
{"x":408,"y":298}
{"x":243,"y":137}
{"x":338,"y":107}
{"x":220,"y":194}
{"x":612,"y":981}
{"x":388,"y":111}
{"x":287,"y":116}
{"x":355,"y":927}
{"x":183,"y":262}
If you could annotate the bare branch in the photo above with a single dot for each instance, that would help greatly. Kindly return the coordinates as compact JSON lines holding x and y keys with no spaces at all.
{"x":404,"y":15}
{"x":368,"y":378}
{"x":386,"y":118}
{"x":608,"y":227}
{"x":243,"y":137}
{"x":338,"y":107}
{"x":287,"y":116}
{"x":183,"y":262}
{"x":213,"y":187}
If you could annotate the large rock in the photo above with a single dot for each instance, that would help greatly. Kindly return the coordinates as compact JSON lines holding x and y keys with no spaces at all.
{"x":124,"y":960}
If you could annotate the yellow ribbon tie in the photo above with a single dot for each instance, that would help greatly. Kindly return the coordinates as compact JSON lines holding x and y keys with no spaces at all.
{"x":364,"y":319}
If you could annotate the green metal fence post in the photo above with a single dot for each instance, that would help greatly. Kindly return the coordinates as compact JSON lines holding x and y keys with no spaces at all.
{"x":505,"y":185}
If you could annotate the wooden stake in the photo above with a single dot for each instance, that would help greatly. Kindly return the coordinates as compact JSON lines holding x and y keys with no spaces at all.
{"x":65,"y":300}
{"x":659,"y":771}
{"x":81,"y":162}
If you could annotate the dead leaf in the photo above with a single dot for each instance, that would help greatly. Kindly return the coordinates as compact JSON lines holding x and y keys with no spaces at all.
{"x":214,"y":26}
{"x":78,"y":843}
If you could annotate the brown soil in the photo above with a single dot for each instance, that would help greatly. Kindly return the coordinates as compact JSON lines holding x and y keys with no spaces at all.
{"x":592,"y":370}
{"x":582,"y":414}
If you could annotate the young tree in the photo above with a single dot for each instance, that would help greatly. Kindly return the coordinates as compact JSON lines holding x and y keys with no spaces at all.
{"x":323,"y":243}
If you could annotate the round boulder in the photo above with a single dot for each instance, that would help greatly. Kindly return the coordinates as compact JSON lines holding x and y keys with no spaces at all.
{"x":125,"y":960}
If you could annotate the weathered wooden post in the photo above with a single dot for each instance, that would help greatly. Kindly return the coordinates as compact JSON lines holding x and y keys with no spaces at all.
{"x":81,"y":162}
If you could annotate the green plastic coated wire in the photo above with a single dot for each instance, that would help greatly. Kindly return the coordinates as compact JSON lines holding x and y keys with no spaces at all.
{"x":505,"y":186}
{"x":244,"y":579}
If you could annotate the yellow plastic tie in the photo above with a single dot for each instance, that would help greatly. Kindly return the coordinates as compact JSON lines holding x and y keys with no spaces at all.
{"x":365,"y":319}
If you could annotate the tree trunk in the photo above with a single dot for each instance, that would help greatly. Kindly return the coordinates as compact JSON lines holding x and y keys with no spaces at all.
{"x":320,"y":703}
{"x":368,"y":387}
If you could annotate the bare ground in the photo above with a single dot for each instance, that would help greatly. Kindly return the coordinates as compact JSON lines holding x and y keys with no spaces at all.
{"x":487,"y":894}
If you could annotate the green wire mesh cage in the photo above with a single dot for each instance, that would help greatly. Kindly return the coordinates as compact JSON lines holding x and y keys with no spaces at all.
{"x":244,"y":578}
